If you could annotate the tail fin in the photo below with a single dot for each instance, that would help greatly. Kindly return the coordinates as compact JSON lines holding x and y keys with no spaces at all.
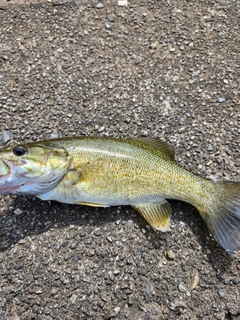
{"x":223,"y":218}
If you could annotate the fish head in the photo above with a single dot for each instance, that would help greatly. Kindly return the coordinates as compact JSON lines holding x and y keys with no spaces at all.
{"x":33,"y":168}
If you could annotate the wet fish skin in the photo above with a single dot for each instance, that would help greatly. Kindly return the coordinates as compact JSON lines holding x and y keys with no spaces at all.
{"x":107,"y":171}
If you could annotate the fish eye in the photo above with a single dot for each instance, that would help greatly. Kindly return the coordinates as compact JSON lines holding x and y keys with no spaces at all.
{"x":19,"y":151}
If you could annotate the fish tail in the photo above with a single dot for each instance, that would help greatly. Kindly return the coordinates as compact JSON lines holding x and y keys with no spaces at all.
{"x":223,"y":217}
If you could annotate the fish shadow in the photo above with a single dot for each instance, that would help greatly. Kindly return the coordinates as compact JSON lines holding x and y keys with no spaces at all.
{"x":29,"y":216}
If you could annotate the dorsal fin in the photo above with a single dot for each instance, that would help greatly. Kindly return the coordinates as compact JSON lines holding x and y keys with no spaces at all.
{"x":163,"y":146}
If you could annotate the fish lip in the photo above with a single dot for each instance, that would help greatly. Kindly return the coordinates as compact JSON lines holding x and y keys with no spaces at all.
{"x":7,"y":167}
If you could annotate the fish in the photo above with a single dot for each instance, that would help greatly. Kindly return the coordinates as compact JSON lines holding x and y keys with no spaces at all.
{"x":105,"y":171}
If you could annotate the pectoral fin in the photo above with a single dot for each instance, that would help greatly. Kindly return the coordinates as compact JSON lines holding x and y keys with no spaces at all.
{"x":156,"y":214}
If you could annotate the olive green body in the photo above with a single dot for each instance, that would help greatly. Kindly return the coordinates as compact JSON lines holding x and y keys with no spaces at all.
{"x":107,"y":171}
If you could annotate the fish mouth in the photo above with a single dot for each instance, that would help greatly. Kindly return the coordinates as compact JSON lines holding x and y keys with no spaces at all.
{"x":4,"y":168}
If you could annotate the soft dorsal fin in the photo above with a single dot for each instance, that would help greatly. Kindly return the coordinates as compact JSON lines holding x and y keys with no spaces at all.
{"x":159,"y":144}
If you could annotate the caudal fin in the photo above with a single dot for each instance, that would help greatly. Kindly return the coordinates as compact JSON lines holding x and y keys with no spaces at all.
{"x":223,"y":218}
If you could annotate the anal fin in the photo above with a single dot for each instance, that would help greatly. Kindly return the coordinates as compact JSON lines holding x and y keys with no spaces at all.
{"x":156,"y":214}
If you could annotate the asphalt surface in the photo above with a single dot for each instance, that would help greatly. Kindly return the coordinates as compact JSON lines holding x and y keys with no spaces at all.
{"x":167,"y":69}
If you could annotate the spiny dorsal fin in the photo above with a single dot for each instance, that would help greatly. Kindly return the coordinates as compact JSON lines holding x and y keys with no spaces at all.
{"x":163,"y":146}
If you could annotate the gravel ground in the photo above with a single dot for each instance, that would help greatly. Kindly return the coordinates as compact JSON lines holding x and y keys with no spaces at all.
{"x":166,"y":69}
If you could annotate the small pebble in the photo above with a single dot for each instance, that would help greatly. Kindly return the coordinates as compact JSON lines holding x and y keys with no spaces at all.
{"x":116,"y":272}
{"x":109,"y":239}
{"x":6,"y":137}
{"x":73,"y":245}
{"x":97,"y":233}
{"x":58,"y":248}
{"x":122,"y":3}
{"x":149,"y":287}
{"x":222,"y":100}
{"x":73,"y":298}
{"x":16,"y":289}
{"x":210,"y":148}
{"x":54,"y":291}
{"x":127,"y":120}
{"x":128,"y":291}
{"x":195,"y":281}
{"x":64,"y":244}
{"x":53,"y":136}
{"x":182,"y":287}
{"x":99,"y":273}
{"x":170,"y":255}
{"x":100,"y":5}
{"x":154,"y":45}
{"x":17,"y":211}
{"x":221,"y":293}
{"x":19,"y":266}
{"x":9,"y":222}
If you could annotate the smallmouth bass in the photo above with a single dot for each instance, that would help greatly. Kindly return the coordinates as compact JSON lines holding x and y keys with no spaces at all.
{"x":100,"y":171}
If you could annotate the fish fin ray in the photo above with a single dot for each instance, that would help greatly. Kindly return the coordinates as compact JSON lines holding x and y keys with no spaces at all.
{"x":91,"y":204}
{"x":156,"y":214}
{"x":159,"y":144}
{"x":223,"y":218}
